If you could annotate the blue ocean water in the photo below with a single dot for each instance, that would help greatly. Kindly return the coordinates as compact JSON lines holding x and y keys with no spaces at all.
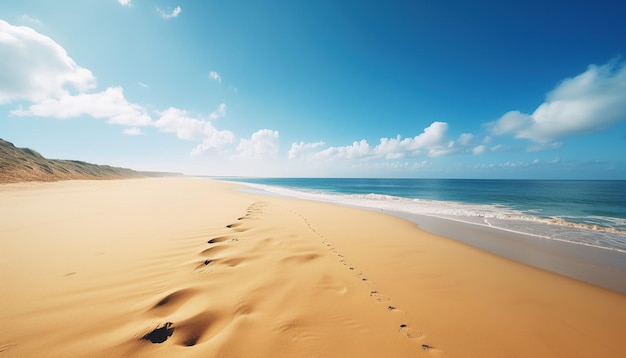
{"x":579,"y":211}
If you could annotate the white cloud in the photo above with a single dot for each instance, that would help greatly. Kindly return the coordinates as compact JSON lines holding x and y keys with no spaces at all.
{"x":219,"y":112}
{"x":36,"y":69}
{"x":299,"y":149}
{"x":215,"y":76}
{"x":31,"y":19}
{"x":179,"y":122}
{"x":540,"y":147}
{"x":132,"y":131}
{"x":355,"y":151}
{"x":479,"y":149}
{"x":263,"y":144}
{"x":126,"y":3}
{"x":33,"y":67}
{"x":589,"y":102}
{"x":432,"y":140}
{"x":440,"y":150}
{"x":170,"y":15}
{"x":109,"y":104}
{"x":465,"y":138}
{"x":432,"y":136}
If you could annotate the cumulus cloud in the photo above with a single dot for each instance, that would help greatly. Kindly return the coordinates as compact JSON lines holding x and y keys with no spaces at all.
{"x":126,"y":3}
{"x":109,"y":104}
{"x":479,"y":149}
{"x":33,"y":67}
{"x":36,"y":69}
{"x":432,"y":140}
{"x":219,"y":112}
{"x":168,"y":15}
{"x":299,"y":149}
{"x":432,"y":136}
{"x":179,"y":122}
{"x":441,"y":150}
{"x":499,"y":148}
{"x":355,"y":151}
{"x":215,"y":76}
{"x":591,"y":101}
{"x":465,"y":138}
{"x":263,"y":144}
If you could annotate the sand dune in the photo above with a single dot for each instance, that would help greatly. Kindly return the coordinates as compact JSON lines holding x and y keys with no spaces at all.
{"x":184,"y":267}
{"x":24,"y":164}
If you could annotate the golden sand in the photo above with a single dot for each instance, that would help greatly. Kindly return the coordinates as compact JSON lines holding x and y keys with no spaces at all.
{"x":188,"y":267}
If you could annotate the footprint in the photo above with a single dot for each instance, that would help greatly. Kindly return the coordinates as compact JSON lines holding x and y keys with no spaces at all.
{"x":160,"y":334}
{"x":190,"y":331}
{"x":236,"y":226}
{"x":379,"y":297}
{"x":172,"y":301}
{"x":232,"y":262}
{"x":215,"y":240}
{"x":300,"y":258}
{"x":407,"y":331}
{"x":214,"y":250}
{"x":6,"y":347}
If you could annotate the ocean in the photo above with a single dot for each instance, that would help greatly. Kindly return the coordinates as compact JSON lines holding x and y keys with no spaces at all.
{"x":582,"y":212}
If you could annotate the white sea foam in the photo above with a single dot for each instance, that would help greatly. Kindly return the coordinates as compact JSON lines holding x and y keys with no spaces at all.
{"x":602,"y":235}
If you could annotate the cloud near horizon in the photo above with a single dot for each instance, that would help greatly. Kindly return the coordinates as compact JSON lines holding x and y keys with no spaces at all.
{"x":299,"y":149}
{"x":179,"y":122}
{"x":432,"y":141}
{"x":589,"y":102}
{"x":262,"y":144}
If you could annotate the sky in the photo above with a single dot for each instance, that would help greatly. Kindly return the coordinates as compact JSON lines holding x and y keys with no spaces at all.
{"x":326,"y":88}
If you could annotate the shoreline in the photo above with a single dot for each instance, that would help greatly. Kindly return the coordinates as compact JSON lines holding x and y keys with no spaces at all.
{"x":181,"y":267}
{"x":602,"y":267}
{"x":598,"y":266}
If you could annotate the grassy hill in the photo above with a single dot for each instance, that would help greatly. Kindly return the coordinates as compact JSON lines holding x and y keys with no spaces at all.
{"x":23,"y":164}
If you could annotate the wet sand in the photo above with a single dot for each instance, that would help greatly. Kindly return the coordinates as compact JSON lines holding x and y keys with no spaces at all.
{"x":187,"y":267}
{"x":597,"y":266}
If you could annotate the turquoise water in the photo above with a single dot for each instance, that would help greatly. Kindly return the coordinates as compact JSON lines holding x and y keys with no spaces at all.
{"x":583,"y":212}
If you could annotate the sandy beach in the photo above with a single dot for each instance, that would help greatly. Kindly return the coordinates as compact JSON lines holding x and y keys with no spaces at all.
{"x":192,"y":267}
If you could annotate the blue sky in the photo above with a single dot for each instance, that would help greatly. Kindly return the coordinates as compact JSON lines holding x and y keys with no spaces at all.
{"x":447,"y":89}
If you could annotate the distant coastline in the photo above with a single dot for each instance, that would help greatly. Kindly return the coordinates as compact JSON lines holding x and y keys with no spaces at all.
{"x":24,"y":164}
